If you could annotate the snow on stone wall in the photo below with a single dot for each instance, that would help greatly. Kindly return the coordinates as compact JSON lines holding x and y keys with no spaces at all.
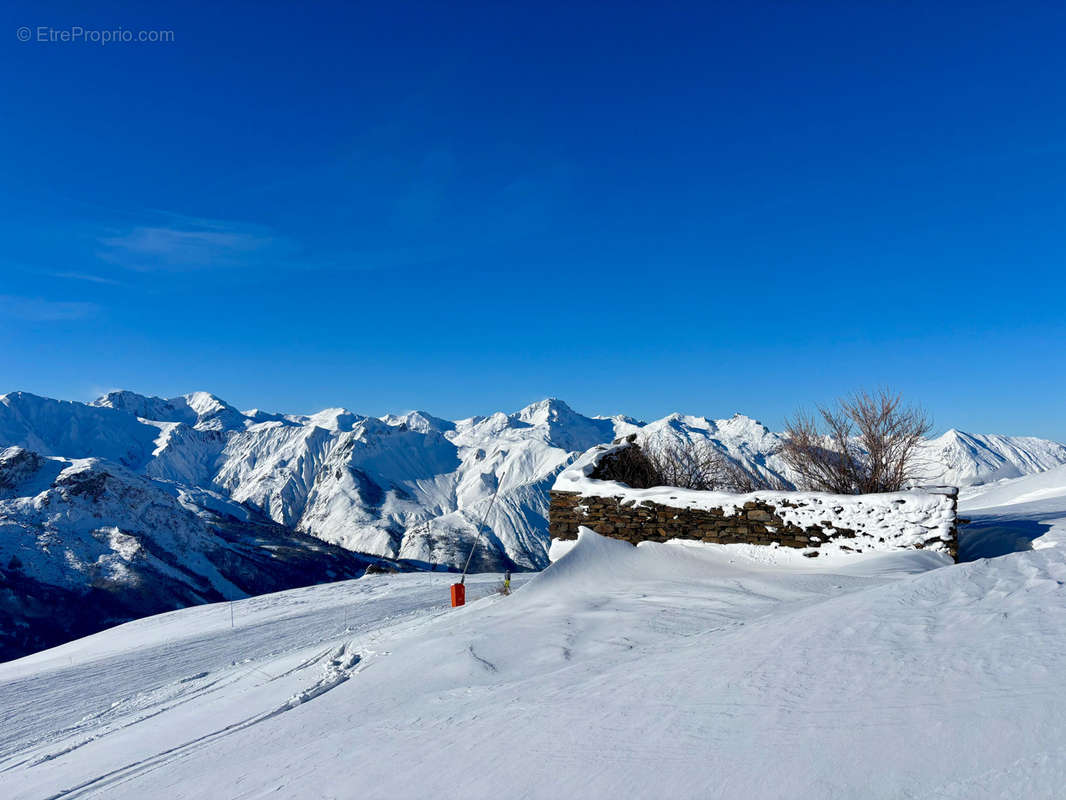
{"x":813,"y":521}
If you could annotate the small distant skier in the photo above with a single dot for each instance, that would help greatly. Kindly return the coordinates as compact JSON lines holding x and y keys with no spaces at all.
{"x":507,"y":582}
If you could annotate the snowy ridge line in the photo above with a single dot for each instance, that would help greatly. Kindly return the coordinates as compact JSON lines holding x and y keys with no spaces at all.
{"x":412,"y":486}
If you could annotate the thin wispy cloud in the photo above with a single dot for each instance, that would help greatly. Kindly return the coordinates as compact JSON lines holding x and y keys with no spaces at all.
{"x":192,"y":244}
{"x":37,"y":309}
{"x":87,"y":277}
{"x":49,"y":271}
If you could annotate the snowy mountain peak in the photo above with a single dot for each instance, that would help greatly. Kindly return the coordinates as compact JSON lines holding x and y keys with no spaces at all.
{"x":418,"y":421}
{"x":551,"y":409}
{"x":213,"y":413}
{"x":963,"y":459}
{"x":143,"y":406}
{"x":257,"y":415}
{"x":334,"y":419}
{"x":201,"y":410}
{"x":563,"y":427}
{"x":154,"y":408}
{"x":740,"y":425}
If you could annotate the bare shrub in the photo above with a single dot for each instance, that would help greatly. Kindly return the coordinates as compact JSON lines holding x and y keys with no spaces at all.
{"x":866,"y":444}
{"x":681,"y":463}
{"x":685,"y":464}
{"x":742,"y":480}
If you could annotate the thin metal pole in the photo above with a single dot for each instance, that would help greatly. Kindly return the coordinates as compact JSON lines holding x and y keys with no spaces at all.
{"x":481,"y":525}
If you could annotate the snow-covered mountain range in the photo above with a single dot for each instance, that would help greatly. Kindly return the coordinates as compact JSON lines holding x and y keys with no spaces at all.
{"x":162,"y":503}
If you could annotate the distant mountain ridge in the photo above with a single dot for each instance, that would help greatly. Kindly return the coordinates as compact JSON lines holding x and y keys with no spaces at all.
{"x":413,"y":485}
{"x":410,"y":487}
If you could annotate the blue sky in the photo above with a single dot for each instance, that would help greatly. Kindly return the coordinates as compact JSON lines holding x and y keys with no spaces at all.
{"x":705,"y":208}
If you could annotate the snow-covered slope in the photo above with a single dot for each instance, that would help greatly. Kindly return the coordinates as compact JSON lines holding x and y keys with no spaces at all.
{"x":1014,"y":514}
{"x":74,"y":430}
{"x":964,"y":459}
{"x":87,"y":543}
{"x":666,"y":670}
{"x":410,"y":486}
{"x":1042,"y":488}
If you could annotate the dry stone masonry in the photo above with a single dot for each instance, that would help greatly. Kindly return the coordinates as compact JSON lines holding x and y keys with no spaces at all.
{"x":810,"y":521}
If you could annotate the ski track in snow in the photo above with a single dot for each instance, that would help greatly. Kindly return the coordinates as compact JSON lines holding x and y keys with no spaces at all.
{"x":337,"y":671}
{"x":165,"y":675}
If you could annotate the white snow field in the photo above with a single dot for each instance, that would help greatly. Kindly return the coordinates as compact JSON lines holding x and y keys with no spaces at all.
{"x":662,"y":671}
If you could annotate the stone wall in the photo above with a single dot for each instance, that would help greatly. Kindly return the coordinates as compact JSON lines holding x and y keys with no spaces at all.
{"x":811,"y":521}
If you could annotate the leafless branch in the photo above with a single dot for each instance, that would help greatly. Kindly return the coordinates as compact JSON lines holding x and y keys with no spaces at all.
{"x":867,"y":444}
{"x":683,"y":463}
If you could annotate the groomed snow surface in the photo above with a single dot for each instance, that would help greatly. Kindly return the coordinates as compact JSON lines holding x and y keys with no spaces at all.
{"x":663,"y":671}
